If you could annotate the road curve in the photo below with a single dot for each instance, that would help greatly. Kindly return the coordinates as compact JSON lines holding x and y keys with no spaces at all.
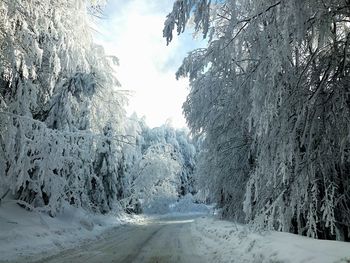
{"x":162,"y":240}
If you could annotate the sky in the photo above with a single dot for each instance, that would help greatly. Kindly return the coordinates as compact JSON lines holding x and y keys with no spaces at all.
{"x":132,"y":31}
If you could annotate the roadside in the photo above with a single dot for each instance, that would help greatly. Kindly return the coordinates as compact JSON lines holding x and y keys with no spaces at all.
{"x":224,"y":241}
{"x":25,"y":235}
{"x":181,"y":236}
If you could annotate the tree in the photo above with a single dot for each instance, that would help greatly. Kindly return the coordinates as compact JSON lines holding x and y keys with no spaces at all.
{"x":55,"y":86}
{"x":157,"y":178}
{"x":107,"y":174}
{"x":269,"y":94}
{"x":158,"y":167}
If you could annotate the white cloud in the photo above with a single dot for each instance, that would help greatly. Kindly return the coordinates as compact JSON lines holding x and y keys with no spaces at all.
{"x":133,"y":32}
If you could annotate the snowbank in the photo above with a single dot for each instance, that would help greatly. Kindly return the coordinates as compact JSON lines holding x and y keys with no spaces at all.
{"x":25,"y":234}
{"x":224,"y":241}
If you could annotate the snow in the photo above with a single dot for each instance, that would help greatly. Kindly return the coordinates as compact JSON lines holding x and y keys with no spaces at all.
{"x":25,"y":235}
{"x":187,"y":205}
{"x":273,"y":127}
{"x":224,"y":241}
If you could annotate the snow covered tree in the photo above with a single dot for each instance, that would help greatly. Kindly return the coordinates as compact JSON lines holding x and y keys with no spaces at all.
{"x":188,"y":155}
{"x":162,"y":159}
{"x":157,"y":179}
{"x":107,"y":185}
{"x":270,"y":95}
{"x":55,"y":84}
{"x":183,"y":147}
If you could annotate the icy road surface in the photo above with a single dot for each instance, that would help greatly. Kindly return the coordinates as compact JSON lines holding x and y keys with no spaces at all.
{"x":158,"y":240}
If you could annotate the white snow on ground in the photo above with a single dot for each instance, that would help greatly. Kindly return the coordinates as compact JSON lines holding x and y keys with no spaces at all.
{"x":24,"y":234}
{"x":223,"y":241}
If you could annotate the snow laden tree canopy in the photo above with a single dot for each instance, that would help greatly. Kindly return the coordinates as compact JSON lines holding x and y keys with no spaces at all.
{"x":270,"y":94}
{"x":157,"y":179}
{"x":64,"y":136}
{"x":58,"y":131}
{"x":159,"y":168}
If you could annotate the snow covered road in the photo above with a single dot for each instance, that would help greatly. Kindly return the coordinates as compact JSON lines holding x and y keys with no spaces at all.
{"x":188,"y":238}
{"x":159,"y":240}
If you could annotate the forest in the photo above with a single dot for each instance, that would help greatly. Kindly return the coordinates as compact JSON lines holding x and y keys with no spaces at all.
{"x":270,"y":96}
{"x":268,"y":113}
{"x":64,"y":133}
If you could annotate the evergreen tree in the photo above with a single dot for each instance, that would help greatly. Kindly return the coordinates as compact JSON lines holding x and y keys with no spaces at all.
{"x":106,"y":170}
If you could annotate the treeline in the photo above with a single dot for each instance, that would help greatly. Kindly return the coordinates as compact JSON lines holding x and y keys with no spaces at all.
{"x":160,"y":168}
{"x":270,"y":95}
{"x":64,"y":135}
